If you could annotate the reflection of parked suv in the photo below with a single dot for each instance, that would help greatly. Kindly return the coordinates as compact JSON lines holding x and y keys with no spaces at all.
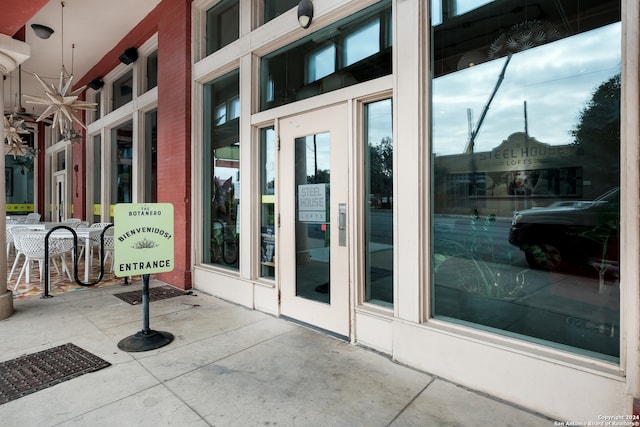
{"x":567,"y":233}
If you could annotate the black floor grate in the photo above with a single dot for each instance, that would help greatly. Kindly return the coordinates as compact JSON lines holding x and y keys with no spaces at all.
{"x":155,"y":294}
{"x":34,"y":372}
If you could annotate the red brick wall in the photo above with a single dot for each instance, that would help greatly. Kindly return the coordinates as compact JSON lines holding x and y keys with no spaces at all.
{"x":171,"y":19}
{"x":174,"y":130}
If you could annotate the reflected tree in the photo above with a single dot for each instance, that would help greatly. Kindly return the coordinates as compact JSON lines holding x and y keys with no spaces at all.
{"x":597,"y":133}
{"x":381,"y":169}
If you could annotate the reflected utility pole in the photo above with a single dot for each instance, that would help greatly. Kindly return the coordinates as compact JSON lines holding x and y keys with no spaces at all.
{"x":472,"y":139}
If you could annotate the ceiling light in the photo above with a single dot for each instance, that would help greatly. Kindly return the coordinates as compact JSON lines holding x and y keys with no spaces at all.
{"x":42,"y":31}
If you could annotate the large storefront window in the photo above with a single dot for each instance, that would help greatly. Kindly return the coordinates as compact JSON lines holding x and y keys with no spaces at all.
{"x":378,"y":170}
{"x":221,"y":158}
{"x":351,"y":51}
{"x":526,"y":171}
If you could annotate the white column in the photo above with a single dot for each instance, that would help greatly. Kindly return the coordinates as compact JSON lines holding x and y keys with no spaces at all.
{"x":629,"y":209}
{"x":12,"y":53}
{"x":411,"y":196}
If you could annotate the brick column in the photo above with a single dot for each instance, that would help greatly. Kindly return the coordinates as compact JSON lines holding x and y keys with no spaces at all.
{"x":174,"y":130}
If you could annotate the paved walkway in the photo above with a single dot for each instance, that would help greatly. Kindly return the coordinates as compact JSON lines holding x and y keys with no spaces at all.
{"x":228,"y":366}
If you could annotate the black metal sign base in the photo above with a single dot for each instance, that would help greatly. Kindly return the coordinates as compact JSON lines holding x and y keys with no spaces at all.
{"x":146,"y":339}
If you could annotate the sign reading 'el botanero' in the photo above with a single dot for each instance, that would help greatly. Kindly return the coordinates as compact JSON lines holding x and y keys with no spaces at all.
{"x":143,"y":238}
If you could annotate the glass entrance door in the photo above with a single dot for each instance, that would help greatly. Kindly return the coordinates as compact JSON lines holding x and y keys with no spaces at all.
{"x":314,"y":212}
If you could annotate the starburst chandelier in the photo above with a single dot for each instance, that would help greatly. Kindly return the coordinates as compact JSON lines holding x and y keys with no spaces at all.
{"x":63,"y":105}
{"x":60,"y":102}
{"x":14,"y":145}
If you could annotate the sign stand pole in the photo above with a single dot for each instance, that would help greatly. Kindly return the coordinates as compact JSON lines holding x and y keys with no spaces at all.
{"x":146,"y":339}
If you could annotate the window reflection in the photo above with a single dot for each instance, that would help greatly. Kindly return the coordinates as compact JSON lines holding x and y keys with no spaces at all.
{"x":267,"y":202}
{"x":151,"y":156}
{"x":19,"y":179}
{"x":97,"y":98}
{"x":274,"y":8}
{"x":526,"y":146}
{"x":152,"y":70}
{"x":122,"y":164}
{"x":223,"y":25}
{"x":312,"y":226}
{"x":96,"y":171}
{"x":321,"y":63}
{"x":379,"y":206}
{"x":464,"y":6}
{"x":362,"y":43}
{"x":123,"y":90}
{"x":221,"y":157}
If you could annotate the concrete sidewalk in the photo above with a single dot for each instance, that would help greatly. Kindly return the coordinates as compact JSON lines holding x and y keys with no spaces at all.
{"x":228,"y":366}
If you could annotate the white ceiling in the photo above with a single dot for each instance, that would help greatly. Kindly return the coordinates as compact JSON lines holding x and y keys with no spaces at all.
{"x":89,"y":29}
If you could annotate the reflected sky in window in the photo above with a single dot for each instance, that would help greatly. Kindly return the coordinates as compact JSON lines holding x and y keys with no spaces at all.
{"x":362,"y":43}
{"x":321,"y":63}
{"x":556,"y":80}
{"x":464,"y":6}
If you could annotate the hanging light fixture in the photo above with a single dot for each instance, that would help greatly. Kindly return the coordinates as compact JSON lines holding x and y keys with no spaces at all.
{"x":64,"y":105}
{"x":14,"y":145}
{"x":305,"y":13}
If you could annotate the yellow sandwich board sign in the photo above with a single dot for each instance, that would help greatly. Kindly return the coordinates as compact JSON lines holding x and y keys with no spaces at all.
{"x":143,"y":238}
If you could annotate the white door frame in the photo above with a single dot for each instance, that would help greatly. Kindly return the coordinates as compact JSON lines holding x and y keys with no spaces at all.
{"x":334,"y":316}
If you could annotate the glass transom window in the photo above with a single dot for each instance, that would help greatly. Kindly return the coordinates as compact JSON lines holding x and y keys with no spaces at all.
{"x":351,"y":51}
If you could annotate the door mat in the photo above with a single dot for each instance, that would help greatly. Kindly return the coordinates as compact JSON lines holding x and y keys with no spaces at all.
{"x":34,"y":372}
{"x":155,"y":294}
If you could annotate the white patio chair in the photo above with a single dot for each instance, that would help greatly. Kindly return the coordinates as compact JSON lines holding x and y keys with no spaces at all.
{"x":32,"y":244}
{"x":15,"y":231}
{"x":32,"y":218}
{"x":95,"y":238}
{"x":9,"y":238}
{"x":108,"y":247}
{"x":78,"y":224}
{"x":99,"y":225}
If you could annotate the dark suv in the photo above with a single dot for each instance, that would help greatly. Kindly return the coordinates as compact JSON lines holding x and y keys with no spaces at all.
{"x":570,"y":233}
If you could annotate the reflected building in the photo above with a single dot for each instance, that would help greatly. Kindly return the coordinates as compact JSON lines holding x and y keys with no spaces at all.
{"x":519,"y":173}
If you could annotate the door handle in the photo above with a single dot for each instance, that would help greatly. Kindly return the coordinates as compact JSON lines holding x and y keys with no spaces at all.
{"x":342,"y":224}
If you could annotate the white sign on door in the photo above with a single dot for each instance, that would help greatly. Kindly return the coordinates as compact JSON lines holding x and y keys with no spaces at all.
{"x":312,"y":203}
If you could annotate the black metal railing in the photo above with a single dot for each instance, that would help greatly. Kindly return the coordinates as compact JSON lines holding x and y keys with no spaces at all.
{"x":75,"y":258}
